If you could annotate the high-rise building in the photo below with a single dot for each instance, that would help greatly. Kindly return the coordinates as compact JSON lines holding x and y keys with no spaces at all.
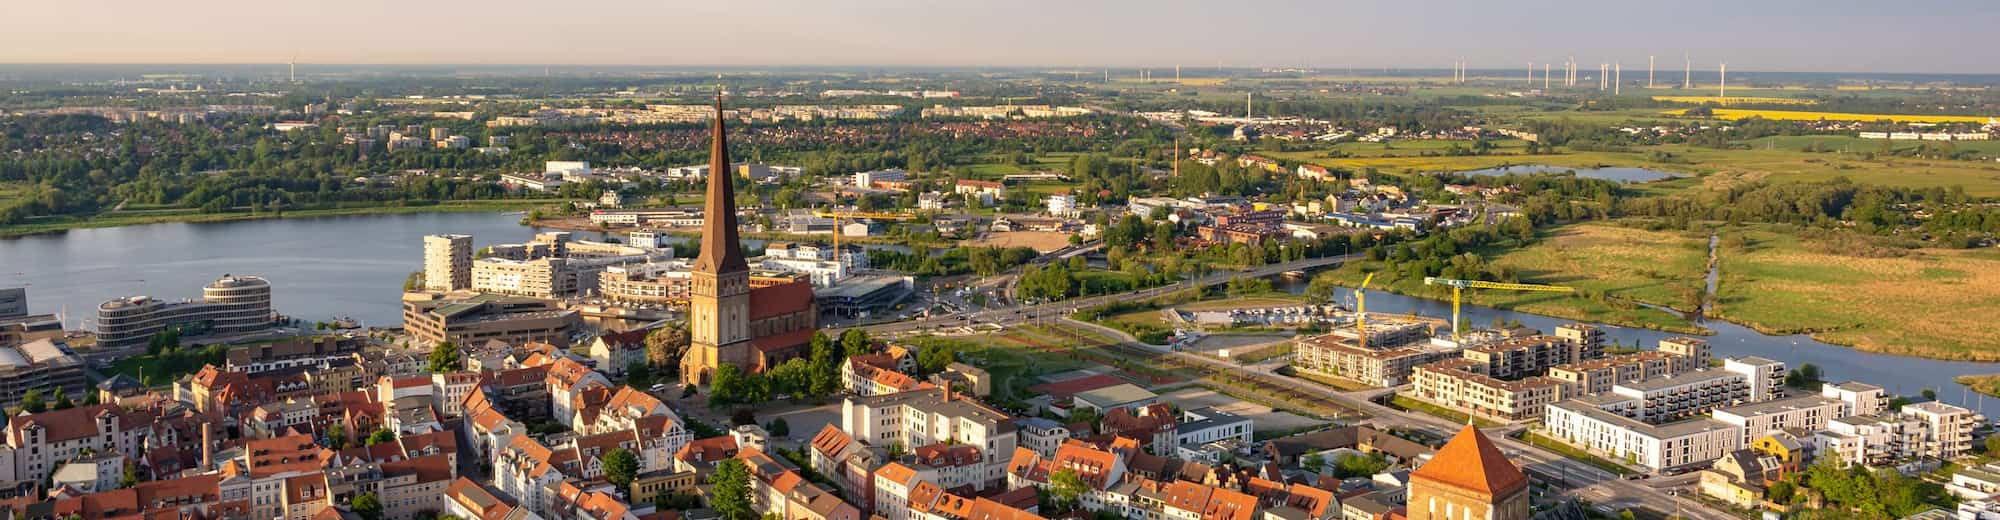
{"x":1468,"y":478}
{"x":230,"y":305}
{"x":447,"y":262}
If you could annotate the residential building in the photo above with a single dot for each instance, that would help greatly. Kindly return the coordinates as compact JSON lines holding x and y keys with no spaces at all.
{"x":447,"y":262}
{"x":1333,"y":354}
{"x":1862,"y":398}
{"x":1947,"y":429}
{"x":1870,"y":440}
{"x":1692,"y":352}
{"x":1583,"y":423}
{"x":1462,"y":384}
{"x":46,"y":365}
{"x":1522,"y":357}
{"x":1765,"y":376}
{"x":1806,"y":413}
{"x":1062,"y":206}
{"x":1598,"y":376}
{"x":1205,"y":425}
{"x":1687,"y":395}
{"x":932,"y":416}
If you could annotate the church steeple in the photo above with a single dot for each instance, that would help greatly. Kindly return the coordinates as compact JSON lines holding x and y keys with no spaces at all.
{"x":721,"y":250}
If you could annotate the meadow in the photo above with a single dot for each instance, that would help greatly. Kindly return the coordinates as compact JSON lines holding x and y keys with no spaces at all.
{"x":1934,"y":303}
{"x":1799,"y":115}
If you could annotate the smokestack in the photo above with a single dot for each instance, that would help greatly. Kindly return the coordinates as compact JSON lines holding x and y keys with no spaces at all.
{"x":1722,"y":75}
{"x":1531,"y":74}
{"x":1617,"y":78}
{"x":1248,"y":110}
{"x":1603,"y":76}
{"x":1687,"y":74}
{"x":1177,"y":74}
{"x":1649,"y":71}
{"x":1545,"y":76}
{"x":207,"y":446}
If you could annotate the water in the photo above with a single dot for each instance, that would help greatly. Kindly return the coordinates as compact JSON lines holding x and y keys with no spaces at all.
{"x":319,"y":268}
{"x":1901,"y":375}
{"x":1611,"y":173}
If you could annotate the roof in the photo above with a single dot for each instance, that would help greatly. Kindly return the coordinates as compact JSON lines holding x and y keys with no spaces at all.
{"x":1115,"y":395}
{"x":1471,"y":462}
{"x":780,"y":299}
{"x":1071,"y":387}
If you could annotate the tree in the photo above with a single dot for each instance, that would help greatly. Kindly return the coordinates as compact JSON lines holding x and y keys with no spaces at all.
{"x":620,"y":467}
{"x":444,"y":358}
{"x":779,"y":427}
{"x":381,"y":436}
{"x":130,"y":475}
{"x":854,"y":342}
{"x":31,"y":401}
{"x":1313,"y":463}
{"x":727,"y":384}
{"x":336,"y":437}
{"x":1350,"y":466}
{"x":1781,"y":492}
{"x":1066,"y":487}
{"x":62,"y":400}
{"x":639,"y":375}
{"x":729,"y":494}
{"x":367,"y":506}
{"x":825,"y":366}
{"x":665,"y":345}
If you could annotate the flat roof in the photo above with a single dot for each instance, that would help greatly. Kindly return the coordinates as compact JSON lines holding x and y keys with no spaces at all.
{"x":1687,"y":378}
{"x":1658,"y":431}
{"x":1776,"y":406}
{"x":1116,"y":394}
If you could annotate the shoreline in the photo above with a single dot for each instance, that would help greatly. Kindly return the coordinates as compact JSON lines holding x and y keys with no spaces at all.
{"x":109,"y":221}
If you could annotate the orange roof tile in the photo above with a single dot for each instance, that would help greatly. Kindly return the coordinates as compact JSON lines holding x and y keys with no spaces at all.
{"x":1471,"y":462}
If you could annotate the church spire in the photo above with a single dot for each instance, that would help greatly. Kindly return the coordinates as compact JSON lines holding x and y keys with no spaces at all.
{"x":721,"y":250}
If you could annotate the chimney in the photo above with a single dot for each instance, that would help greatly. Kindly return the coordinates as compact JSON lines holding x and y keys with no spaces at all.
{"x":947,"y":391}
{"x":207,"y":446}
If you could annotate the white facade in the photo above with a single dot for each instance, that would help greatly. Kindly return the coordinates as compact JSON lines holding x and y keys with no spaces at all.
{"x":1810,"y":413}
{"x":1765,"y":376}
{"x":1658,"y":447}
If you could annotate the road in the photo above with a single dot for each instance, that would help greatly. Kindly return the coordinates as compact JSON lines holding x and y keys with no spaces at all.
{"x":1022,"y":313}
{"x":1584,"y":481}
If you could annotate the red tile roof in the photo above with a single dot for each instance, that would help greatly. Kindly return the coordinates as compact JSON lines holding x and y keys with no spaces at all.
{"x":781,"y":299}
{"x":1471,"y":462}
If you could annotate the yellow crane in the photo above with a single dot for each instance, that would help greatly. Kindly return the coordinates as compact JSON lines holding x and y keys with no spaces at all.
{"x":837,"y":215}
{"x":1459,"y":286}
{"x":1361,"y":309}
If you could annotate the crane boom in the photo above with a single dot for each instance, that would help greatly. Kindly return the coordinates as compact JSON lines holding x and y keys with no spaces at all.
{"x":1459,"y":286}
{"x":1361,"y":309}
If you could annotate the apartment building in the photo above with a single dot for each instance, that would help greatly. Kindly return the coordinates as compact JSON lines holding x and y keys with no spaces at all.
{"x":1583,"y":423}
{"x":46,"y":365}
{"x":447,"y":262}
{"x":1691,"y":353}
{"x":1808,"y":413}
{"x":1947,"y":429}
{"x":1587,"y":337}
{"x":1870,"y":440}
{"x":1862,"y":398}
{"x":1462,"y":384}
{"x":1334,"y":355}
{"x":1765,"y":376}
{"x":435,"y":318}
{"x":37,"y":443}
{"x":1522,"y":357}
{"x":1679,"y":397}
{"x":920,"y":418}
{"x":1598,"y":376}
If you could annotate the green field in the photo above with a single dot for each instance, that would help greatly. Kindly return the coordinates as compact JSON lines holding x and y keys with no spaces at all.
{"x":1932,"y":302}
{"x":1624,"y":264}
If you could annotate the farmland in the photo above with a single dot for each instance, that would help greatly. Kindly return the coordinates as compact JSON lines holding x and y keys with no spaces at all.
{"x":1735,"y":100}
{"x":1796,"y":115}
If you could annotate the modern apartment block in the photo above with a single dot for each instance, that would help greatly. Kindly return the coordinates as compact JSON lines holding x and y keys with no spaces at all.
{"x":230,"y":305}
{"x":1588,"y":337}
{"x":1691,"y":352}
{"x":921,"y":418}
{"x":1599,"y":375}
{"x":1766,"y":376}
{"x":1687,"y":395}
{"x":1584,"y":423}
{"x":1808,"y":413}
{"x":1948,"y":429}
{"x":1332,"y":354}
{"x":447,"y":262}
{"x":45,"y":364}
{"x":1522,"y":357}
{"x":1862,"y":398}
{"x":1461,"y":384}
{"x":1871,"y":440}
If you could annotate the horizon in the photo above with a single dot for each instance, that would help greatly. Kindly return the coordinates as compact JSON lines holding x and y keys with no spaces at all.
{"x":1785,"y":36}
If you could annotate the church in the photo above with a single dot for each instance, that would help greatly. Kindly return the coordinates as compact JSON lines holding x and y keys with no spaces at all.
{"x":735,"y":318}
{"x":1468,"y":479}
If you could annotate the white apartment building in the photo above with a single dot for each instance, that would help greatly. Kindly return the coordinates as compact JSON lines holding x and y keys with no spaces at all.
{"x":447,"y":262}
{"x":1658,"y":447}
{"x":1862,"y":398}
{"x":932,"y":416}
{"x":1810,"y":413}
{"x":1205,"y":425}
{"x":1765,"y":375}
{"x":1870,"y":440}
{"x":1683,"y":396}
{"x":866,"y":180}
{"x":1947,"y":429}
{"x":1062,"y":205}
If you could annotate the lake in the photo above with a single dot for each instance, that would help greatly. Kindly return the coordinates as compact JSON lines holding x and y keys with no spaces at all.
{"x":1902,"y":375}
{"x":1611,"y":173}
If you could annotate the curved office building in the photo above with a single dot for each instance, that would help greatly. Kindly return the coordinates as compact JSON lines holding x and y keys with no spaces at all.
{"x":230,"y":305}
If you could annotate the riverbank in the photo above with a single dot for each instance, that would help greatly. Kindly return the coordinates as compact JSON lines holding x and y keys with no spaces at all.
{"x":178,"y":215}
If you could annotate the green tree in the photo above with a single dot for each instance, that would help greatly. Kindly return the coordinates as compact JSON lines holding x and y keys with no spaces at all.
{"x":639,"y":375}
{"x":62,"y":400}
{"x":444,"y":358}
{"x":381,"y":436}
{"x":620,"y":467}
{"x":367,"y":506}
{"x":31,"y":401}
{"x":336,"y":437}
{"x":779,"y":427}
{"x":727,"y":385}
{"x":1066,"y":487}
{"x":729,"y":492}
{"x":854,"y":342}
{"x":665,"y":345}
{"x":1313,"y":463}
{"x":825,"y":366}
{"x":130,"y":475}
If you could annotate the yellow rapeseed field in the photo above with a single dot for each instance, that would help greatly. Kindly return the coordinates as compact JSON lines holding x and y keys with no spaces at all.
{"x":1800,"y":115}
{"x":1735,"y":100}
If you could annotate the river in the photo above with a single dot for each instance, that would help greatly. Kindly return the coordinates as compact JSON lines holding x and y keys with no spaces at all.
{"x":1903,"y":375}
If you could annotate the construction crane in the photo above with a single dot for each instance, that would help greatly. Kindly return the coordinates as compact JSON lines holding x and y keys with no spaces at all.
{"x":1361,"y":309}
{"x":839,"y":264}
{"x":1459,"y":286}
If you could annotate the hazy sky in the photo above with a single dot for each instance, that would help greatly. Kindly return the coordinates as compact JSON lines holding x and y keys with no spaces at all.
{"x":1788,"y":35}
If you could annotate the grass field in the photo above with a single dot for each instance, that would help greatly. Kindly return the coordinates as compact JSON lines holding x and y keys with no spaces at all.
{"x":1622,"y":263}
{"x":1988,"y":384}
{"x":1566,"y":450}
{"x":1797,"y":115}
{"x":1932,"y":303}
{"x":1735,"y":100}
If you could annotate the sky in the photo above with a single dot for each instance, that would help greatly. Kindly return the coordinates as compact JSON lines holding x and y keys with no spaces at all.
{"x":1934,"y":36}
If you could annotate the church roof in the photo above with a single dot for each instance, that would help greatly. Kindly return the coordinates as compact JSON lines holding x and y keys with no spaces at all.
{"x":721,"y":249}
{"x":1471,"y":462}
